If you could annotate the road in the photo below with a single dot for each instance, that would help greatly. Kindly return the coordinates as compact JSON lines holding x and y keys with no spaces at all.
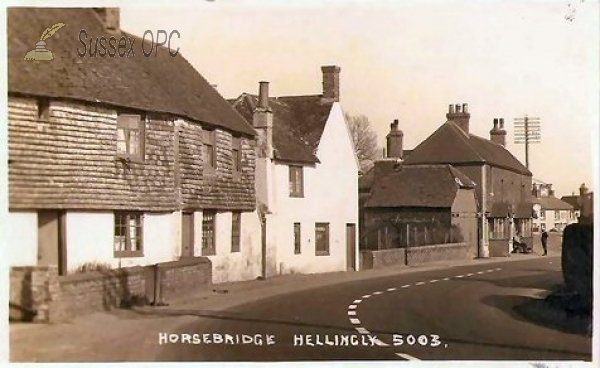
{"x":459,"y":313}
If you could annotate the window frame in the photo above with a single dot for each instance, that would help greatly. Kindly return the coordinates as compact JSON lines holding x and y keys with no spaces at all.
{"x":297,"y":238}
{"x":498,"y":228}
{"x":318,"y":251}
{"x":126,"y":226}
{"x":296,"y":181}
{"x":206,"y":251}
{"x":43,"y":105}
{"x":209,"y":145}
{"x":236,"y":157}
{"x":138,"y":126}
{"x":236,"y":232}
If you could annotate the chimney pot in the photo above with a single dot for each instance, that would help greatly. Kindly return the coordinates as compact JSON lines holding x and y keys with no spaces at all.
{"x":495,"y":123}
{"x":451,"y":109}
{"x":501,"y":123}
{"x":457,"y":108}
{"x":263,"y":95}
{"x":465,"y":108}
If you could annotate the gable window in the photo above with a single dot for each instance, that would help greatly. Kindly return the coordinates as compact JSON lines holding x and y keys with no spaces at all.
{"x":208,"y":233}
{"x":236,"y":227}
{"x":322,"y":239}
{"x":128,"y":234}
{"x":43,"y":108}
{"x":210,"y":156}
{"x":236,"y":156}
{"x":297,"y":239}
{"x":130,"y":136}
{"x":296,"y":181}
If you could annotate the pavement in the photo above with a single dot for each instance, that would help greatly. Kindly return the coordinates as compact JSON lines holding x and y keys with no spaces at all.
{"x":131,"y":335}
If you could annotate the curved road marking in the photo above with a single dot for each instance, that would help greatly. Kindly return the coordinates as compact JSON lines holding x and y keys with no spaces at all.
{"x":354,"y":320}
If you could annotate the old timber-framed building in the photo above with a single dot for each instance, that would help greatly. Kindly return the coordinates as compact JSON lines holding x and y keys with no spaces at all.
{"x":122,"y":160}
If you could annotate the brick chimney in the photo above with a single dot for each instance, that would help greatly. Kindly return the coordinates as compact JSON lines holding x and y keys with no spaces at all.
{"x":394,"y":141}
{"x":262,"y":120}
{"x":583,"y":190}
{"x":110,"y":17}
{"x":331,"y":82}
{"x":498,"y":134}
{"x":459,"y":114}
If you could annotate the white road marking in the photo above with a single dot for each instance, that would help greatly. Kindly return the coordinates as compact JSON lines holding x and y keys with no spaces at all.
{"x":378,"y":293}
{"x":432,"y":281}
{"x":362,"y":330}
{"x":446,"y":279}
{"x":357,"y":301}
{"x":406,"y":356}
{"x":405,"y":286}
{"x":352,"y":313}
{"x":480,"y":273}
{"x":352,"y":306}
{"x":420,"y":283}
{"x":498,"y":269}
{"x":392,"y":289}
{"x":469,"y":274}
{"x":355,"y":321}
{"x":366,"y":296}
{"x":460,"y":276}
{"x":380,"y":343}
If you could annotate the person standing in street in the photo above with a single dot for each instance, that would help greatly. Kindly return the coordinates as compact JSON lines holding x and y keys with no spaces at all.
{"x":545,"y":242}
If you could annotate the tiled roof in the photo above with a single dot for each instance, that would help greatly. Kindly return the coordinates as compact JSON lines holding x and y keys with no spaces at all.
{"x":553,"y":203}
{"x":433,"y":186}
{"x":158,"y":83}
{"x":298,"y":123}
{"x":451,"y":145}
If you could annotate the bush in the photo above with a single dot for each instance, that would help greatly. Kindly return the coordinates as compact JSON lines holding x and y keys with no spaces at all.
{"x":92,"y":267}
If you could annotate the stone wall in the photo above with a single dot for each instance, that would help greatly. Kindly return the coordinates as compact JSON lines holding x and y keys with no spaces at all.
{"x":414,"y":255}
{"x":39,"y":294}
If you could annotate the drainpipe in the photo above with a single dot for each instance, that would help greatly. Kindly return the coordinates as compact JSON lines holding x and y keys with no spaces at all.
{"x":483,"y":250}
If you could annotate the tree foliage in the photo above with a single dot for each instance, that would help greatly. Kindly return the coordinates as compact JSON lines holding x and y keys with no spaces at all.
{"x":364,"y":138}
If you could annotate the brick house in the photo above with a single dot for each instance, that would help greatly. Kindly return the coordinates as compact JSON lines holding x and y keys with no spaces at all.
{"x":503,"y":184}
{"x":551,"y":213}
{"x":307,"y":175}
{"x":123,"y":161}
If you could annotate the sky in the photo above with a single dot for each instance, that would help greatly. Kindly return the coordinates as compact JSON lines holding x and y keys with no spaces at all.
{"x":409,"y":60}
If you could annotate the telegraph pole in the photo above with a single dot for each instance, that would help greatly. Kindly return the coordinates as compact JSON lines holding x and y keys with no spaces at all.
{"x":527,"y":130}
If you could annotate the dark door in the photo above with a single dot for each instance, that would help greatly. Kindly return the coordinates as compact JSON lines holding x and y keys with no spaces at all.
{"x":350,"y":245}
{"x":187,"y":234}
{"x":52,"y":249}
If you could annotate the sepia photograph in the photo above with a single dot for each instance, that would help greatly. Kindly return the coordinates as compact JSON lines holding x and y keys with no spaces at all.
{"x":302,"y":182}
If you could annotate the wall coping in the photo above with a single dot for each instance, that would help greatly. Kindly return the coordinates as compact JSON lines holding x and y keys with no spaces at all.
{"x":94,"y":275}
{"x":183,"y":262}
{"x":430,"y":246}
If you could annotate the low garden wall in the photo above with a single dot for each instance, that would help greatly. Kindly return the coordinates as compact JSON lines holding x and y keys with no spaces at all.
{"x":414,"y":255}
{"x":38,"y":294}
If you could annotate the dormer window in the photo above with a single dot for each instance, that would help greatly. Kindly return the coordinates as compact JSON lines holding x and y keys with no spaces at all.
{"x":130,"y":137}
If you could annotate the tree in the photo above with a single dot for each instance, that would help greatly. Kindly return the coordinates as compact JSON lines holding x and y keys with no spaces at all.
{"x":365,"y":140}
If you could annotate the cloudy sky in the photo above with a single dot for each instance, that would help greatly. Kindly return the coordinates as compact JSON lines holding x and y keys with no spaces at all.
{"x":409,"y":60}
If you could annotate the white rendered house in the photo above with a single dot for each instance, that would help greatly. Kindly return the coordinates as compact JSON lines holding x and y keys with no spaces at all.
{"x":306,"y":179}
